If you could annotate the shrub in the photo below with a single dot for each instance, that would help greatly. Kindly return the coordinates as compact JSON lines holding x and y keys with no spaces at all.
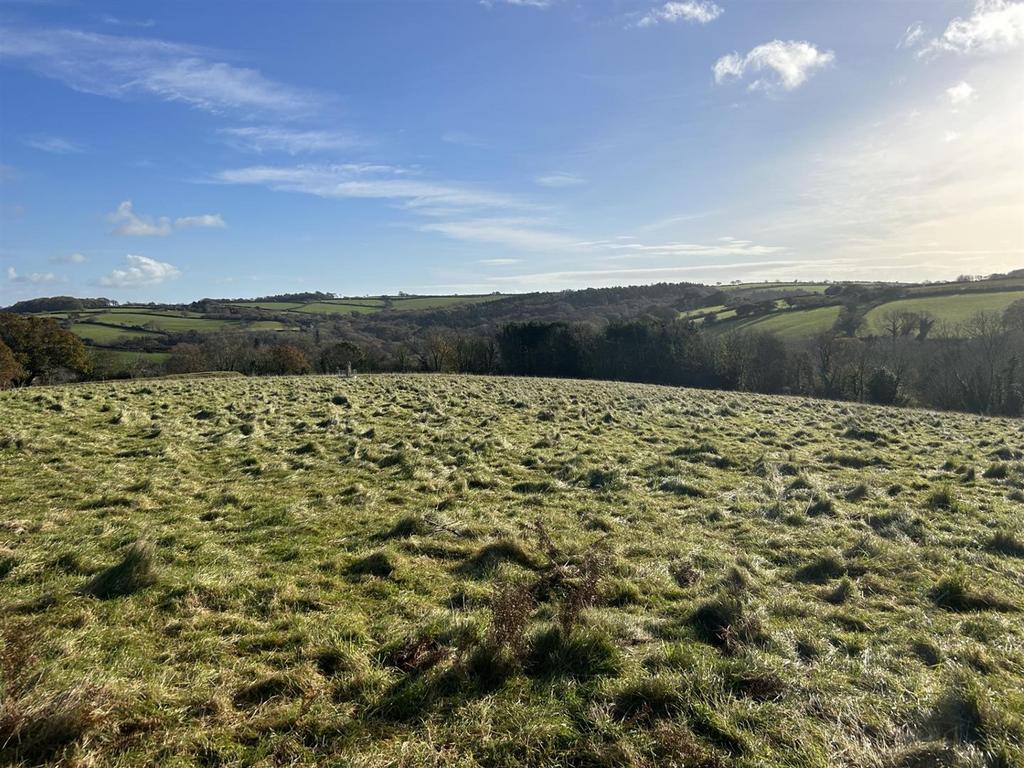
{"x":511,"y":607}
{"x":134,"y":572}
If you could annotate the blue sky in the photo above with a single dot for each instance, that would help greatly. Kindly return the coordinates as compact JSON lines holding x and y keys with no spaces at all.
{"x":169,"y":151}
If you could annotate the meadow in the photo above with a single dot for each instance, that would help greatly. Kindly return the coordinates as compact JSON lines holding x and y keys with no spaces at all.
{"x":481,"y":571}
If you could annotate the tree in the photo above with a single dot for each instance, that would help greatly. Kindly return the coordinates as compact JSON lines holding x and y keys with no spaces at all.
{"x":883,"y":387}
{"x":186,"y":358}
{"x":337,"y":357}
{"x":11,"y":371}
{"x":42,"y":348}
{"x":282,"y":360}
{"x":1013,"y":316}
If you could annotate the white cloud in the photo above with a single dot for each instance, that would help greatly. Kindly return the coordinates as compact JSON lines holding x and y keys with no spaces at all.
{"x":696,"y":11}
{"x":558,"y":180}
{"x":55,"y":145}
{"x":70,"y":258}
{"x":499,"y":262}
{"x":269,"y":138}
{"x":960,"y":94}
{"x":121,"y":67}
{"x":514,"y":233}
{"x":912,"y":37}
{"x":788,"y":64}
{"x":352,"y":180}
{"x":994,"y":27}
{"x":35,"y":278}
{"x":140,"y":271}
{"x":131,"y":224}
{"x":206,"y":220}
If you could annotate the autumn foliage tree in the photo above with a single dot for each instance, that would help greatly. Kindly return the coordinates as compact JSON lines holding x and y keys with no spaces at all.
{"x":42,"y":349}
{"x":11,"y":371}
{"x":283,"y":360}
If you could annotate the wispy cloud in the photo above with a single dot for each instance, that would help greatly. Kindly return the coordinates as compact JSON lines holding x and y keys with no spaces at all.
{"x":912,"y":37}
{"x":694,"y":11}
{"x":353,"y":180}
{"x":510,"y":232}
{"x":55,"y":145}
{"x":123,"y":67}
{"x":499,"y":262}
{"x":131,"y":224}
{"x":203,"y":221}
{"x":34,"y":278}
{"x":463,"y":139}
{"x":140,"y":271}
{"x":68,"y":258}
{"x":994,"y":27}
{"x":269,"y":138}
{"x":558,"y":180}
{"x":788,"y":65}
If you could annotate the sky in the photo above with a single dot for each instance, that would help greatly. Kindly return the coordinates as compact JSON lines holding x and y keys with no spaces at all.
{"x":173,"y":151}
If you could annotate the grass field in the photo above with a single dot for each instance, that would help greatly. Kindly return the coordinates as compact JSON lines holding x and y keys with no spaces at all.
{"x":788,"y":324}
{"x":461,"y":571}
{"x":164,"y":322}
{"x":951,"y":310}
{"x":104,"y":335}
{"x":370,"y":304}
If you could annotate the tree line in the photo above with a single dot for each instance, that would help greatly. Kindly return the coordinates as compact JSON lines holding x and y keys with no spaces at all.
{"x":907,"y":359}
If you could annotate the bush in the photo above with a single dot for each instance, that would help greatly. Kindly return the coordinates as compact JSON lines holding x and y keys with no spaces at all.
{"x":883,"y":387}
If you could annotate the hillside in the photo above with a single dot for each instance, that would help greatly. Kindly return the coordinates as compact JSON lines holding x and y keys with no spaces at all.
{"x":444,"y":570}
{"x":793,"y":311}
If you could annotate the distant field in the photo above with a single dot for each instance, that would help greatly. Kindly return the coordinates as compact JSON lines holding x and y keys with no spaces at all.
{"x":350,"y":572}
{"x":125,"y":357}
{"x":104,"y":335}
{"x":368,"y":304}
{"x":788,"y":324}
{"x":951,"y":310}
{"x":164,"y":322}
{"x":763,"y":287}
{"x":335,"y":308}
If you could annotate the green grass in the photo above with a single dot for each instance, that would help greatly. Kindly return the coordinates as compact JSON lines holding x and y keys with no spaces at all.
{"x":433,"y":302}
{"x":789,"y":324}
{"x":164,"y":322}
{"x":335,"y":308}
{"x":318,"y":571}
{"x":952,"y":310}
{"x":104,"y":335}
